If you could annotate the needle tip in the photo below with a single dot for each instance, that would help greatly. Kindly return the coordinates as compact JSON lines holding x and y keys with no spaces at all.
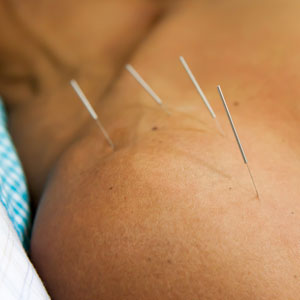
{"x":257,"y":194}
{"x":219,"y":127}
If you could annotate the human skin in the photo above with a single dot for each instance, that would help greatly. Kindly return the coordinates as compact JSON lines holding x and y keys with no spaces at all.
{"x":172,"y":213}
{"x":42,"y":46}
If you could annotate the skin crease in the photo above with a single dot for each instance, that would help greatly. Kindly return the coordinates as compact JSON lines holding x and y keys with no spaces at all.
{"x":37,"y":63}
{"x":172,"y":214}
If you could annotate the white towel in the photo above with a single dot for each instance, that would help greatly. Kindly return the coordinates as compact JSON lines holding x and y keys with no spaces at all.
{"x":18,"y":278}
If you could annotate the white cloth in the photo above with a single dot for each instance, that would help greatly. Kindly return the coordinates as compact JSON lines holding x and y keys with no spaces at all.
{"x":18,"y":278}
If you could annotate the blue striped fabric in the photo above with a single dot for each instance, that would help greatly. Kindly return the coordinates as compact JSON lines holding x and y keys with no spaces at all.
{"x":13,"y":190}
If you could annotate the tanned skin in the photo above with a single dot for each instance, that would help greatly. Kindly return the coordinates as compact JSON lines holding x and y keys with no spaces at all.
{"x":171,"y":213}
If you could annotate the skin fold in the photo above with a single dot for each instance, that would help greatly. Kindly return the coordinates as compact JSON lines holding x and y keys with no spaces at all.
{"x":37,"y":63}
{"x":172,"y":213}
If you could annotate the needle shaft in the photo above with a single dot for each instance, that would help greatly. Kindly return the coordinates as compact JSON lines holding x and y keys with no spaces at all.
{"x":145,"y":85}
{"x":196,"y":84}
{"x":91,"y":110}
{"x":237,"y":138}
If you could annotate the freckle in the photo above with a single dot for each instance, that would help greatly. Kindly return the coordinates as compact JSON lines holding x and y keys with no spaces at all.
{"x":154,"y":128}
{"x":230,"y":188}
{"x":236,"y":103}
{"x":295,"y":276}
{"x":292,"y":213}
{"x":111,"y":188}
{"x":169,"y":261}
{"x":149,"y":259}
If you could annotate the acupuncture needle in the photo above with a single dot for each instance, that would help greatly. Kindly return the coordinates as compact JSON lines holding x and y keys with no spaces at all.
{"x":91,"y":110}
{"x":237,"y":138}
{"x":199,"y":90}
{"x":146,"y":86}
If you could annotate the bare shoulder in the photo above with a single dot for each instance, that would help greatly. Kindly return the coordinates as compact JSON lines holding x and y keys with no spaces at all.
{"x":158,"y":221}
